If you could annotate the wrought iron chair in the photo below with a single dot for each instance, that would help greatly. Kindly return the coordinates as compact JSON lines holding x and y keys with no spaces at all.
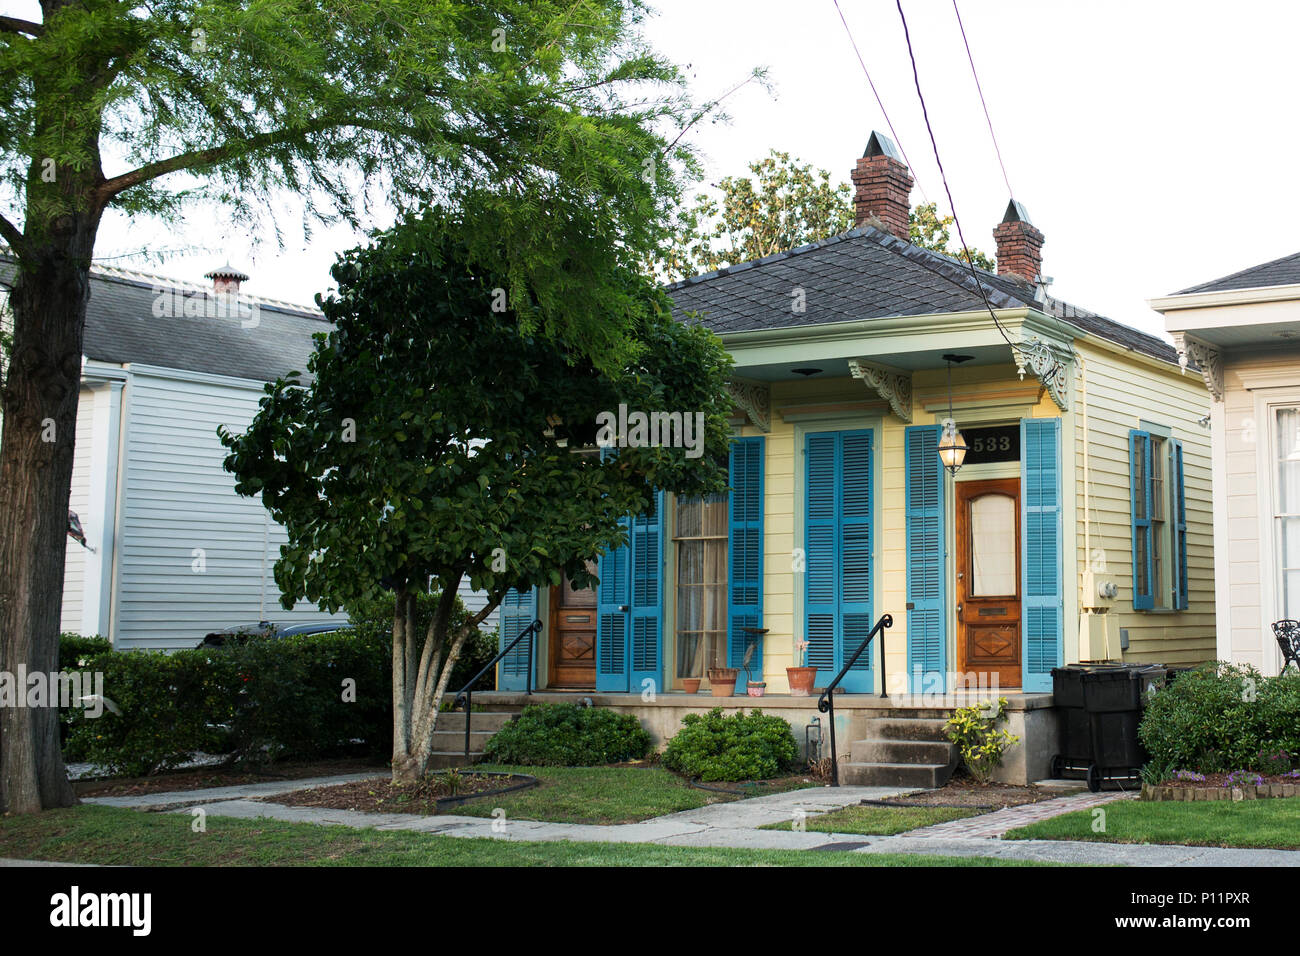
{"x":1288,"y":638}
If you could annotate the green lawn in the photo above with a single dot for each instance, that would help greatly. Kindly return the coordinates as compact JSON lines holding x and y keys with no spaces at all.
{"x":603,"y":795}
{"x":110,"y":835}
{"x":878,"y":821}
{"x":1251,"y":823}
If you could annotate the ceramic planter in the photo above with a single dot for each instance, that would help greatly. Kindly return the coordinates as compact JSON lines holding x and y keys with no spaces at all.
{"x":691,"y":685}
{"x":801,"y":680}
{"x":723,"y":680}
{"x":756,"y":689}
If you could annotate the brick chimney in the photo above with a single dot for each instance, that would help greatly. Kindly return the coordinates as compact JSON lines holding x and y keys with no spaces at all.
{"x":225,"y":279}
{"x":1020,"y":245}
{"x":882,"y":185}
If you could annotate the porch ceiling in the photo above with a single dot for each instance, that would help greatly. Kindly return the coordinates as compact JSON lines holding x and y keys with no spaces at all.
{"x":838,"y":367}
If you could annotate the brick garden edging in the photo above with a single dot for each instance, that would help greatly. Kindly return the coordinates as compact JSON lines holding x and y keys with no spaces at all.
{"x":1220,"y":793}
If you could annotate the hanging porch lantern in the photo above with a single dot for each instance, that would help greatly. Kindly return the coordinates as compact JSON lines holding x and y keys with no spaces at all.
{"x":952,"y":447}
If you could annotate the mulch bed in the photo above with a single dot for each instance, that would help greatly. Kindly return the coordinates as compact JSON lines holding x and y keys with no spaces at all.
{"x":381,"y":795}
{"x":966,"y":793}
{"x":1220,"y":779}
{"x":206,"y":777}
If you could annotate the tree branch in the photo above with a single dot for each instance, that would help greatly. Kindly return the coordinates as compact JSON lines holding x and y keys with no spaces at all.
{"x":16,"y":25}
{"x":13,"y":235}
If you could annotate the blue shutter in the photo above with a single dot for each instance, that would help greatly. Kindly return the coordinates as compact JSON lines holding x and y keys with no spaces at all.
{"x":1044,"y":611}
{"x":745,"y":552}
{"x":1139,"y":464}
{"x":855,"y":559}
{"x":613,"y":600}
{"x":518,"y":610}
{"x":927,"y":619}
{"x":647,"y":596}
{"x":1180,"y":527}
{"x":821,"y":607}
{"x":837,"y":544}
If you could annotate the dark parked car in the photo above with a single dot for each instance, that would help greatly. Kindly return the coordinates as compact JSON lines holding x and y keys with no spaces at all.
{"x":242,"y":632}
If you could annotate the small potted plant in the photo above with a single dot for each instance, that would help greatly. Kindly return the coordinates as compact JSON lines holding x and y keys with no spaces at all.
{"x":801,"y":678}
{"x":691,"y":685}
{"x":752,"y":687}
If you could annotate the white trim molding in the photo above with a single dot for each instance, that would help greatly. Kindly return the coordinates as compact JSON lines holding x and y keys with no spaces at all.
{"x":1036,"y":355}
{"x":891,"y":384}
{"x":1208,"y":358}
{"x":755,"y":401}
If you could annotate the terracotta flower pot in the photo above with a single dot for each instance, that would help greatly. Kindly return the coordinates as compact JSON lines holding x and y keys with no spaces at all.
{"x":691,"y":685}
{"x":723,"y":680}
{"x":801,"y":680}
{"x":756,"y":689}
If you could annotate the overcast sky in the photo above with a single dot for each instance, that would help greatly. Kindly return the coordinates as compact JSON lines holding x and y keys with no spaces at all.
{"x":1153,"y":142}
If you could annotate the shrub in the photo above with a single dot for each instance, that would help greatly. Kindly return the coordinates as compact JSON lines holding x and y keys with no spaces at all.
{"x":566,"y":735}
{"x":739,"y":747}
{"x":981,"y":745}
{"x":76,"y":651}
{"x":1223,"y":717}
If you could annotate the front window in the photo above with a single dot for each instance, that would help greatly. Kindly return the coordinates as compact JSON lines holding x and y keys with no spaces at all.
{"x":1286,"y":515}
{"x":700,"y":532}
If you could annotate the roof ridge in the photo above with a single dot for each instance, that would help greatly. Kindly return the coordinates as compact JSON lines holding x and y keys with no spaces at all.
{"x":1200,"y":286}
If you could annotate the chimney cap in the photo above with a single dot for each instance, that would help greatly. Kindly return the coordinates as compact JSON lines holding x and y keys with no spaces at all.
{"x":226,"y":272}
{"x":881,"y":145}
{"x":1016,"y":212}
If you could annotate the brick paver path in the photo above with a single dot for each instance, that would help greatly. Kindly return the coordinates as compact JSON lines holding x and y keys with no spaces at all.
{"x":992,"y":825}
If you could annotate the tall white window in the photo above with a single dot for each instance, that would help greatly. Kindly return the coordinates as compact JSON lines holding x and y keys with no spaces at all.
{"x":1286,"y":510}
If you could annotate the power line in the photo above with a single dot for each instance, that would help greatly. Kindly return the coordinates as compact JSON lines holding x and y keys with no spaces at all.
{"x":916,"y":78}
{"x":879,"y":101}
{"x":1006,"y":179}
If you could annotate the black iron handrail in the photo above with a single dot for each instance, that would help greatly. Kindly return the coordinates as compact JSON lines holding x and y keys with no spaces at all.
{"x":826,"y":703}
{"x":466,"y":693}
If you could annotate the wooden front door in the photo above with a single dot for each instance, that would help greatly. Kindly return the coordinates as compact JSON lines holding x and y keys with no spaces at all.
{"x":573,"y":637}
{"x":988,"y":580}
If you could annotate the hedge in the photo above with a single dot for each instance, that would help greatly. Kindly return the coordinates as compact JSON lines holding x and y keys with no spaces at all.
{"x":739,"y":747}
{"x":261,"y":700}
{"x":1223,"y":717}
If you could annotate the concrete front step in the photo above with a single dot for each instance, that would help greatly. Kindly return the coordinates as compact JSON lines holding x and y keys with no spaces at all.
{"x":489,"y":721}
{"x":901,"y":751}
{"x":445,"y":759}
{"x":907,"y":728}
{"x":919,"y":776}
{"x":455,"y":740}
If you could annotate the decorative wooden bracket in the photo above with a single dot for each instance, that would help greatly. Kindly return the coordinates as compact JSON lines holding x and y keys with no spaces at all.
{"x":1207,"y":358}
{"x":1053,"y":374}
{"x":891,"y":384}
{"x":755,"y":401}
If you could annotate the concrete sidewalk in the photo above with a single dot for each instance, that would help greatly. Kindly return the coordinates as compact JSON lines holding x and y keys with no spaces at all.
{"x":734,"y":824}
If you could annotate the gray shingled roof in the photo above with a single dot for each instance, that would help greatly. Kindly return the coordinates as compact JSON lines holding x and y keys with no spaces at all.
{"x":864,"y":274}
{"x":1284,"y":271}
{"x":121,"y":327}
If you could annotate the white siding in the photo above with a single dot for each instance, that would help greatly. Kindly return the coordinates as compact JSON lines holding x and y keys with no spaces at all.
{"x":177,"y":498}
{"x":474,"y":601}
{"x":74,"y":566}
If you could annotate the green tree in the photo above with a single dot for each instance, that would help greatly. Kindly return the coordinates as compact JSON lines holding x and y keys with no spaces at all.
{"x":439,"y":440}
{"x":782,"y":204}
{"x":545,"y":121}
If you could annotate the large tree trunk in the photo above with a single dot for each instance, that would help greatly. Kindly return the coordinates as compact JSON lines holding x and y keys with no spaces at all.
{"x":40,"y":414}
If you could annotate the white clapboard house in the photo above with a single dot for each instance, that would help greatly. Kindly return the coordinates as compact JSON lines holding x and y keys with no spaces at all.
{"x":172,"y":553}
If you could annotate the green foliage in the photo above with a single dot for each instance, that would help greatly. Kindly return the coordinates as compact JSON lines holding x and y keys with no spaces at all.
{"x":424,"y":447}
{"x":262,"y":700}
{"x":782,"y":204}
{"x":1222,"y":717}
{"x":554,"y":129}
{"x":566,"y":735}
{"x":76,"y":651}
{"x":981,"y":745}
{"x":736,"y":747}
